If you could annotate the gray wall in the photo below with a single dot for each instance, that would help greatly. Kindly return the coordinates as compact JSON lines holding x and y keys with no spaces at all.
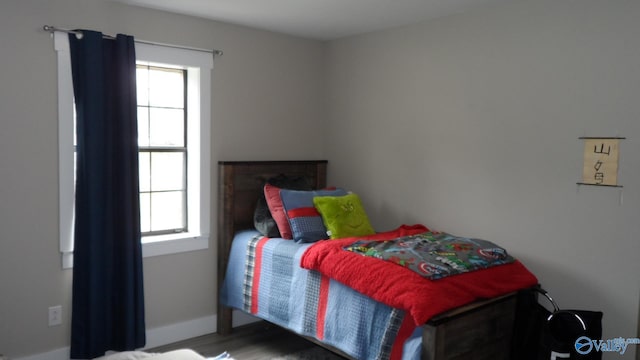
{"x":265,"y":88}
{"x":470,"y":124}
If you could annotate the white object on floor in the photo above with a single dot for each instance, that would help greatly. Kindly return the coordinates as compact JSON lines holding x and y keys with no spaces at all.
{"x":182,"y":354}
{"x":224,"y":356}
{"x":127,"y":355}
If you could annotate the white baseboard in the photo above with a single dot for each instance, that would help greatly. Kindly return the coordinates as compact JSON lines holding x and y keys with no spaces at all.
{"x":181,"y":331}
{"x":59,"y":354}
{"x":162,"y":335}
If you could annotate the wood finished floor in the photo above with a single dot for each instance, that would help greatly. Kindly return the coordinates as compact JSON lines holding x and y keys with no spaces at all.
{"x":258,"y":341}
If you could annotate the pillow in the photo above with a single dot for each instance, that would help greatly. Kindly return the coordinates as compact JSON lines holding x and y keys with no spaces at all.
{"x":274,"y":202}
{"x":263,"y":220}
{"x":305,"y":221}
{"x":343,"y":216}
{"x":263,"y":217}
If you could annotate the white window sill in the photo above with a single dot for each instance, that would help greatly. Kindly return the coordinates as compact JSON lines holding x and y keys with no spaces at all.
{"x":173,"y":244}
{"x":161,"y":245}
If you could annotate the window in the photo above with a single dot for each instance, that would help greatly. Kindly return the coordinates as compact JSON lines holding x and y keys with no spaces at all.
{"x":174,"y":131}
{"x":162,"y":129}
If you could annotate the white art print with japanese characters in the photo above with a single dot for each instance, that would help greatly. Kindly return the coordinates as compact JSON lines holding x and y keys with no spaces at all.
{"x":600,"y":162}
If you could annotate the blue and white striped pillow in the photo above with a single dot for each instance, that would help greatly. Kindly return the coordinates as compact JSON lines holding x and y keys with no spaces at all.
{"x":305,"y":221}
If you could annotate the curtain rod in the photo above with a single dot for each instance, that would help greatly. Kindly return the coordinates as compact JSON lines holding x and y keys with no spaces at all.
{"x":53,"y":29}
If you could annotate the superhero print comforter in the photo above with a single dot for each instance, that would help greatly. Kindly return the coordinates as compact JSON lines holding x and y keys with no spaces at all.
{"x":434,"y":255}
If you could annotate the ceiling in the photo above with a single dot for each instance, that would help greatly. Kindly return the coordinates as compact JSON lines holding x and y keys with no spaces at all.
{"x":316,"y":19}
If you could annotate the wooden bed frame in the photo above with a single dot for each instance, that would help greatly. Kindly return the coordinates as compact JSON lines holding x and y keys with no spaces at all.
{"x":482,"y":330}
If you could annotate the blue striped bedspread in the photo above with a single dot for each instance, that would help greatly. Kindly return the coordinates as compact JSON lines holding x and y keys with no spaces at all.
{"x":264,"y":279}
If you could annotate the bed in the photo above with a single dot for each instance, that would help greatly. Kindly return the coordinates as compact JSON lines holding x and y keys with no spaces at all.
{"x":326,"y":311}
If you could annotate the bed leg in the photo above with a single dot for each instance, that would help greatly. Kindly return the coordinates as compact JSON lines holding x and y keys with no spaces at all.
{"x":224,"y":320}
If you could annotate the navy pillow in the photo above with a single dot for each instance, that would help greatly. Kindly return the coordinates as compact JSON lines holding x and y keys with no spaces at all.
{"x":306,"y":222}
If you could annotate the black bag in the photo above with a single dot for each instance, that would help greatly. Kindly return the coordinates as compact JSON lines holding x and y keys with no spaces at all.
{"x":542,"y":334}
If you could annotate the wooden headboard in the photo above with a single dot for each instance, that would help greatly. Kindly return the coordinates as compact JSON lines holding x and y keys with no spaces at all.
{"x":240,"y":184}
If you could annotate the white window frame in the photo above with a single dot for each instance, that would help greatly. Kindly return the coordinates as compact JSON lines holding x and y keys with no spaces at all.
{"x":199,"y":65}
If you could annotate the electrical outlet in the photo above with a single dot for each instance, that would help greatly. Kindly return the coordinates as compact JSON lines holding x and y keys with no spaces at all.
{"x":55,"y":315}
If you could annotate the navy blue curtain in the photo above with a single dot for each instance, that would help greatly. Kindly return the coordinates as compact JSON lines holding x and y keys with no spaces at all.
{"x":108,"y":296}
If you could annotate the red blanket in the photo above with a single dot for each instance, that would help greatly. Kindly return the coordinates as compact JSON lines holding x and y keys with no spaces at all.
{"x":404,"y":289}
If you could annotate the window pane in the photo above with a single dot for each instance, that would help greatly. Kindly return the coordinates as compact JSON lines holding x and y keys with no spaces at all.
{"x":162,"y":126}
{"x":167,"y":171}
{"x":167,"y":211}
{"x":143,"y":126}
{"x":145,"y":212}
{"x":144,"y":159}
{"x":166,"y":127}
{"x":142,"y":85}
{"x":166,"y":88}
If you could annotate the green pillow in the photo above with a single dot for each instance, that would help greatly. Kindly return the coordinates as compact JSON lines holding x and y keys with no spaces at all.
{"x":343,"y":216}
